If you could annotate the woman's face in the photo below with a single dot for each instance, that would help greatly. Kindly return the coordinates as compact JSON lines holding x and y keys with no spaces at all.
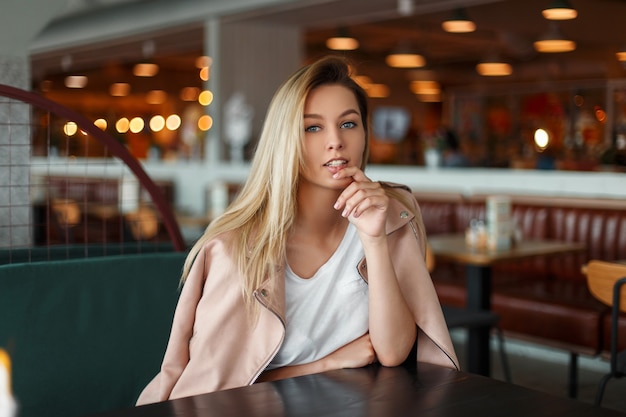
{"x":334,"y":135}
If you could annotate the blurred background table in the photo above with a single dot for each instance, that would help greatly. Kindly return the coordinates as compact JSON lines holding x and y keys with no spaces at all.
{"x":478,"y":263}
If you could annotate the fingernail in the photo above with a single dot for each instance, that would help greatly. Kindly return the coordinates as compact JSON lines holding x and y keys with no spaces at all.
{"x":336,"y":206}
{"x":345,"y":213}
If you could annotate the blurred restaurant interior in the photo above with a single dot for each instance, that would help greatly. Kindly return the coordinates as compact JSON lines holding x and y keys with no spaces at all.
{"x":547,"y":110}
{"x":470,"y":100}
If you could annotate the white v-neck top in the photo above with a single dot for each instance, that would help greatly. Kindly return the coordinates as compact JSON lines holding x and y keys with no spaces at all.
{"x":326,"y":311}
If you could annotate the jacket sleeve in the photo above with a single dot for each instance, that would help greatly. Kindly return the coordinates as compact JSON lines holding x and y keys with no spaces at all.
{"x":434,"y":344}
{"x":177,"y":352}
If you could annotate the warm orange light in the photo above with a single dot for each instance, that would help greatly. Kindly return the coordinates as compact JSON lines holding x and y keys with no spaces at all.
{"x":156,"y":97}
{"x":100,"y":124}
{"x":425,"y":87}
{"x":189,"y":93}
{"x":145,"y":69}
{"x":205,"y":74}
{"x":554,"y":45}
{"x":122,"y":125}
{"x":459,"y":22}
{"x":494,"y":69}
{"x":205,"y":122}
{"x":203,"y":61}
{"x":173,"y":122}
{"x":559,"y":10}
{"x":205,"y":98}
{"x":119,"y":89}
{"x":377,"y":91}
{"x":76,"y":81}
{"x":157,"y":123}
{"x":70,"y":128}
{"x":136,"y":124}
{"x":405,"y":60}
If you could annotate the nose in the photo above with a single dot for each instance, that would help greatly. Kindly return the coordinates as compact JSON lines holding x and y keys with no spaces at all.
{"x":335,"y":139}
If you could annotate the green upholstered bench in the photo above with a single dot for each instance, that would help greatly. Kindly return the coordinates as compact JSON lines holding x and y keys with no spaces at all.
{"x":86,"y":335}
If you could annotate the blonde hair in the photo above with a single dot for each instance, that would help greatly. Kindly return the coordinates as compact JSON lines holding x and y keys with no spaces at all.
{"x":265,"y":208}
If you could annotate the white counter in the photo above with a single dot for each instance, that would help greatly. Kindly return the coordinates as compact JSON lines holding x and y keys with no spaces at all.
{"x":193,"y":180}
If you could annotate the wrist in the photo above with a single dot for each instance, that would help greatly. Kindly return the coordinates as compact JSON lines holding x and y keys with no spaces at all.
{"x":373,"y":242}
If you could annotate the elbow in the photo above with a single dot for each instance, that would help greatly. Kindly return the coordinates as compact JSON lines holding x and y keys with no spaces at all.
{"x":392,"y":359}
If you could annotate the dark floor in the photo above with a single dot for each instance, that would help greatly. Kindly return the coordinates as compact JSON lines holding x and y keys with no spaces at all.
{"x":546,"y":369}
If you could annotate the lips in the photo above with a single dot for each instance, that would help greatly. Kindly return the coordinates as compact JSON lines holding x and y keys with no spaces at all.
{"x":336,"y":163}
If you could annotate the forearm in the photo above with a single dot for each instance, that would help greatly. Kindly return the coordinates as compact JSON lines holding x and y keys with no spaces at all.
{"x":391,"y":324}
{"x":318,"y":366}
{"x":355,"y":354}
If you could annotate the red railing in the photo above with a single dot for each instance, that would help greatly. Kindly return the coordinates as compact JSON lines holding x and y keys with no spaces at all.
{"x":113,"y":147}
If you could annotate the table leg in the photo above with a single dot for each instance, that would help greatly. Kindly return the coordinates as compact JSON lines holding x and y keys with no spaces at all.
{"x":478,"y":280}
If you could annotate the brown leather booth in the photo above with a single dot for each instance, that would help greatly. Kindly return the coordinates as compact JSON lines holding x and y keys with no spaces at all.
{"x":544,"y":300}
{"x":93,"y":206}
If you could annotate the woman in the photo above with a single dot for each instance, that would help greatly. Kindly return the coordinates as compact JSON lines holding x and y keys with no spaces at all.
{"x":278,"y":285}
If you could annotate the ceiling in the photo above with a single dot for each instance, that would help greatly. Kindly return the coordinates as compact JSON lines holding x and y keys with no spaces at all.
{"x":506,"y":28}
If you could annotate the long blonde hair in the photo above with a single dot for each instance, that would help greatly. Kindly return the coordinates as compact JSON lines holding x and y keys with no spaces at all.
{"x":265,"y":208}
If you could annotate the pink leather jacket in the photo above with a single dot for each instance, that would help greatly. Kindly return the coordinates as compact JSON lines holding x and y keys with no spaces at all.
{"x":215,"y":345}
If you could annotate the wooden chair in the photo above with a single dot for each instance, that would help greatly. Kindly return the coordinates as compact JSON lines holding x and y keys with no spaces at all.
{"x":605,"y":281}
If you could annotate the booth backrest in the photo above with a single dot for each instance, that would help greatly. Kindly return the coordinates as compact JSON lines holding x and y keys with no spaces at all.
{"x":600,"y":224}
{"x":66,"y":252}
{"x":86,"y":335}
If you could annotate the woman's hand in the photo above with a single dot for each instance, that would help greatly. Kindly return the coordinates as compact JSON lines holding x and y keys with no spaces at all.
{"x":363,"y":202}
{"x":355,"y":354}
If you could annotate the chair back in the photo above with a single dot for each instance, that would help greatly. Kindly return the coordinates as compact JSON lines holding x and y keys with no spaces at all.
{"x":601,"y":278}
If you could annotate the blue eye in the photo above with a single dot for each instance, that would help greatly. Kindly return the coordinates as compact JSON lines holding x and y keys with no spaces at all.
{"x":312,"y":129}
{"x":348,"y":125}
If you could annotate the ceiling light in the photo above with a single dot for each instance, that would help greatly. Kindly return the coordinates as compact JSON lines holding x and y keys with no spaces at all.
{"x":621,"y":55}
{"x":559,"y":10}
{"x":405,"y":60}
{"x":494,"y":68}
{"x":76,"y":81}
{"x":425,"y":87}
{"x":459,"y":22}
{"x":554,"y":41}
{"x":404,"y":57}
{"x":145,"y":69}
{"x":342,"y":41}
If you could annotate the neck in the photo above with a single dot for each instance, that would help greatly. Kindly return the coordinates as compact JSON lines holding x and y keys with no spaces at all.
{"x":316,"y":213}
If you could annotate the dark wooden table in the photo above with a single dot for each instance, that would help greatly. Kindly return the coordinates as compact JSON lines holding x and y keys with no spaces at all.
{"x":478,"y":263}
{"x":374,"y":392}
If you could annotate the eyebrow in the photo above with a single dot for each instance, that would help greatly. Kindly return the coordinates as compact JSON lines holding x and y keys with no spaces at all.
{"x":318,"y":116}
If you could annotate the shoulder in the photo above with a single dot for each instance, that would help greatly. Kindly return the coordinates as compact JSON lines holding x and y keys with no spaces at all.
{"x":217,"y":249}
{"x":395,"y":186}
{"x":402,"y":195}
